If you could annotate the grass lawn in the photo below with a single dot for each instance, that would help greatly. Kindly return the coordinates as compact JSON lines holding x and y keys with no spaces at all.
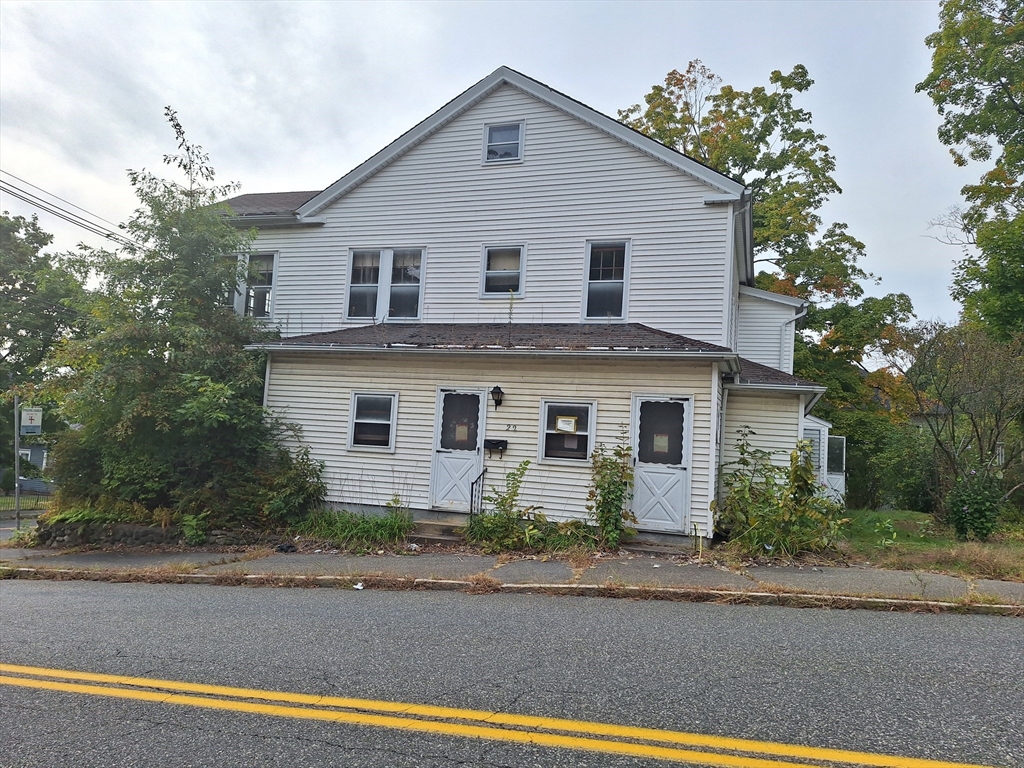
{"x":922,"y":544}
{"x":28,"y":502}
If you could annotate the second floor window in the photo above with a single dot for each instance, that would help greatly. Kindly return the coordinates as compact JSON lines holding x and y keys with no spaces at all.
{"x":606,"y":281}
{"x":503,"y":271}
{"x":260,"y":286}
{"x":385,"y":284}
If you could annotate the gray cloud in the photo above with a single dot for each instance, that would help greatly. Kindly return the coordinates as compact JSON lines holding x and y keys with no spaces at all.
{"x":291,"y":95}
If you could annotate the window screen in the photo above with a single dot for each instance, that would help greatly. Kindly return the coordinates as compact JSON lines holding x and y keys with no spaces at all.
{"x":567,"y":431}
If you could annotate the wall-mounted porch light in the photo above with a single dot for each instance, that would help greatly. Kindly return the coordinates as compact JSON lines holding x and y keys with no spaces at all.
{"x":497,"y":396}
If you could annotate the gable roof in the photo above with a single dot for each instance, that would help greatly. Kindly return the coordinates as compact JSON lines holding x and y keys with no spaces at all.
{"x":730,"y":189}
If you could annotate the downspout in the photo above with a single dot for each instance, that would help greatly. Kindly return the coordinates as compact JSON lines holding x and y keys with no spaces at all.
{"x":783,"y":336}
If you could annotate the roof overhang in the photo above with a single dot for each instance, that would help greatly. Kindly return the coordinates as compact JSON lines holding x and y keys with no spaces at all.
{"x":815,"y":392}
{"x":757,"y":293}
{"x":506,"y":76}
{"x":731,"y":360}
{"x":276,"y":221}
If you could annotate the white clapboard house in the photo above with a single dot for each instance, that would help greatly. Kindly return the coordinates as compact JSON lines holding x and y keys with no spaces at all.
{"x":522,"y":277}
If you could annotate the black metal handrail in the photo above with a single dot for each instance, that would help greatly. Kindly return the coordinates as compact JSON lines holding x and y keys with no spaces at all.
{"x":476,"y":494}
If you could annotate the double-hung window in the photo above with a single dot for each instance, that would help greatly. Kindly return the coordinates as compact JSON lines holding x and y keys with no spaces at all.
{"x":385,"y":284}
{"x":605,"y":290}
{"x":568,"y":430}
{"x":503,"y":270}
{"x":503,"y":143}
{"x":372,"y":422}
{"x":259,"y":286}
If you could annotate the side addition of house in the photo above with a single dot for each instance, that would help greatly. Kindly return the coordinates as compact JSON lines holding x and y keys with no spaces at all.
{"x":521,"y":277}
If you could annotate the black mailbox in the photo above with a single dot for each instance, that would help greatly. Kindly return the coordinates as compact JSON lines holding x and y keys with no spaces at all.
{"x":496,"y":445}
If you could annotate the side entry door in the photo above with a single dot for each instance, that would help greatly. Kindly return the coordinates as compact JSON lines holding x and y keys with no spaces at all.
{"x":661,"y":479}
{"x":458,"y":448}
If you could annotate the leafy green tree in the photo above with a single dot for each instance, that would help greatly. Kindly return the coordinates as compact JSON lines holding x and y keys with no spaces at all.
{"x":36,"y":295}
{"x":167,"y":398}
{"x":977,"y":85}
{"x":968,"y":390}
{"x":765,"y":139}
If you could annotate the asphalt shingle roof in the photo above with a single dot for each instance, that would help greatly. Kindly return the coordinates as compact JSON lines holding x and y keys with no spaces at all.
{"x":755,"y":373}
{"x":502,"y":336}
{"x":269,"y":203}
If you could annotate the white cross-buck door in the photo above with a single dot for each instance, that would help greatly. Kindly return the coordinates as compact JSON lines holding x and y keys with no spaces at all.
{"x":458,"y":448}
{"x":661,"y":469}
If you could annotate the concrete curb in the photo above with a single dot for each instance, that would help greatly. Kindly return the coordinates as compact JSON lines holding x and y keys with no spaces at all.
{"x":485,"y":584}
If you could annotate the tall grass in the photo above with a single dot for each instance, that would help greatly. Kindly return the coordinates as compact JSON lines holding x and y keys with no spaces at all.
{"x":352,"y":531}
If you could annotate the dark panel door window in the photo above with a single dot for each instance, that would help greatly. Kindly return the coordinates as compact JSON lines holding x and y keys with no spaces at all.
{"x":460,"y":421}
{"x":661,"y":432}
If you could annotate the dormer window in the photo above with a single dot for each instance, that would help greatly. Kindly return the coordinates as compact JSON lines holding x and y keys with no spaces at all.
{"x":503,"y":143}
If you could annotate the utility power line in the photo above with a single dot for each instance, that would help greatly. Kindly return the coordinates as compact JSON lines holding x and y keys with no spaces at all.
{"x":59,"y":211}
{"x":57,"y":197}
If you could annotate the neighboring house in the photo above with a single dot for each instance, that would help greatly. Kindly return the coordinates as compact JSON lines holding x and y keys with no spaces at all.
{"x":521,"y":277}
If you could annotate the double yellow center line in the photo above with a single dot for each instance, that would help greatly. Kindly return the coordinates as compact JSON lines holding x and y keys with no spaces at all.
{"x":465,"y":723}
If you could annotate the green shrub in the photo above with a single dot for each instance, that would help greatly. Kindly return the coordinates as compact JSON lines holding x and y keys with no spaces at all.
{"x":507,"y":527}
{"x":503,"y":528}
{"x":194,"y":527}
{"x":973,"y":504}
{"x":610,"y":493}
{"x":770,"y":511}
{"x":352,"y":531}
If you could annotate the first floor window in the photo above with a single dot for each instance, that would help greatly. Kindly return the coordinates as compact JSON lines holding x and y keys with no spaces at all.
{"x":259,"y":286}
{"x":373,"y":420}
{"x":503,"y":271}
{"x":606,"y":280}
{"x":389,"y":278}
{"x":568,"y":430}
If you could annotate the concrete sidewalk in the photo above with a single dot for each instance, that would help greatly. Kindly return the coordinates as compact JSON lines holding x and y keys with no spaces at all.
{"x":637,"y":575}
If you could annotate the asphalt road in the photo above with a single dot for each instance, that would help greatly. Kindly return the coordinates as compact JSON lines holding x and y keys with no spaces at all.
{"x":942,"y":687}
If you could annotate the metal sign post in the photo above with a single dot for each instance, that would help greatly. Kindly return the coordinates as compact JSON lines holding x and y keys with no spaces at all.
{"x":17,"y":463}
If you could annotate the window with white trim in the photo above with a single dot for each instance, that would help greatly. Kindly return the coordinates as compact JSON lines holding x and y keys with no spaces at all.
{"x":503,"y":270}
{"x":259,"y":290}
{"x":567,"y":430}
{"x":605,"y":289}
{"x":388,"y":278}
{"x":372,"y":421}
{"x":503,"y":143}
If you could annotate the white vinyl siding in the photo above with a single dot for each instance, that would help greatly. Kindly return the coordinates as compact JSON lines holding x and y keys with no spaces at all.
{"x":315,"y":392}
{"x":765,"y":332}
{"x":439,"y":195}
{"x":774,"y":420}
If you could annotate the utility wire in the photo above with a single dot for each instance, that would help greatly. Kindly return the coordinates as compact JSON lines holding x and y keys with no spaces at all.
{"x":62,"y":213}
{"x":57,"y":197}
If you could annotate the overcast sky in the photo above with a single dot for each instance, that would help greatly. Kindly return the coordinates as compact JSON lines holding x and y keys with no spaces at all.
{"x":291,"y":95}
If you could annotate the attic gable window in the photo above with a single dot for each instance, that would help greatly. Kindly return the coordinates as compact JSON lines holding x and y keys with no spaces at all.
{"x":503,"y":143}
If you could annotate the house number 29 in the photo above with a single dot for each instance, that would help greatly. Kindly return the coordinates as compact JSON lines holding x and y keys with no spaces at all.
{"x":510,"y":427}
